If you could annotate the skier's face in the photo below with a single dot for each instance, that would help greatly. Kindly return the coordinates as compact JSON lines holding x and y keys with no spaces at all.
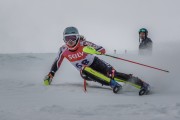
{"x":70,"y":40}
{"x":142,"y":35}
{"x":71,"y":43}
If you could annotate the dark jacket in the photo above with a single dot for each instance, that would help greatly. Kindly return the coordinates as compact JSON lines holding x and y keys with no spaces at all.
{"x":145,"y":46}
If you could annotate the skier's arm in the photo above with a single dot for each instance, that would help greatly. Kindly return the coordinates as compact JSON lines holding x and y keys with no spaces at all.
{"x":57,"y":63}
{"x":97,"y":47}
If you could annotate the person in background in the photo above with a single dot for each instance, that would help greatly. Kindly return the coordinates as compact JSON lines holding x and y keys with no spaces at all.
{"x":145,"y":43}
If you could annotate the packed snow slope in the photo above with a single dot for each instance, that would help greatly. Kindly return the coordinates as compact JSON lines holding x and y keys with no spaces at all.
{"x":24,"y":97}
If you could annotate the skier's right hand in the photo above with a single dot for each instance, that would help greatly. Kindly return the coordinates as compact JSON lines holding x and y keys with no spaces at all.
{"x":91,"y":50}
{"x":48,"y":79}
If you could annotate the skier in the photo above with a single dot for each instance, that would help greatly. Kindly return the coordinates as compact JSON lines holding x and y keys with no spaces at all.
{"x":145,"y":46}
{"x":91,"y":67}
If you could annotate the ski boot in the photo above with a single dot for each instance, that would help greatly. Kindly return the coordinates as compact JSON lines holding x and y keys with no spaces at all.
{"x":116,"y":86}
{"x":145,"y":89}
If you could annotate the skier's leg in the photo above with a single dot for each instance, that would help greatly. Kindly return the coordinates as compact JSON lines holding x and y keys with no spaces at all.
{"x":134,"y":81}
{"x":90,"y":74}
{"x":108,"y":71}
{"x":101,"y":66}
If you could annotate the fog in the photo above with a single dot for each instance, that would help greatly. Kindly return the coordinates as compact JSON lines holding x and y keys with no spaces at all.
{"x":36,"y":26}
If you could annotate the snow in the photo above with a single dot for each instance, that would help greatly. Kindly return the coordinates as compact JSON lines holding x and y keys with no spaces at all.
{"x":24,"y":97}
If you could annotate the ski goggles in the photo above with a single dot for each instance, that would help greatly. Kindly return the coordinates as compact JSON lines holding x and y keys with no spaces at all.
{"x":68,"y":38}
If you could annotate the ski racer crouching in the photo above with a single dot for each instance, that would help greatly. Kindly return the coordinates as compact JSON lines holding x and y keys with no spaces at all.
{"x":91,"y":67}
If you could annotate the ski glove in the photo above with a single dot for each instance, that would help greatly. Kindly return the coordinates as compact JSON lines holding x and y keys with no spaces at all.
{"x":91,"y":50}
{"x":48,"y":79}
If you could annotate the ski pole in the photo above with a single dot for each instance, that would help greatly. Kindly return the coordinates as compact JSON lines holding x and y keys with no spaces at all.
{"x":85,"y":90}
{"x":135,"y":62}
{"x":91,"y":50}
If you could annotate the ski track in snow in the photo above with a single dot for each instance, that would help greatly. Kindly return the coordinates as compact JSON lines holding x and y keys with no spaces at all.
{"x":24,"y":97}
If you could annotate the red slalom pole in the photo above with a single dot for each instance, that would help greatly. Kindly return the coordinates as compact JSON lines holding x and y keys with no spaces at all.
{"x":136,"y":63}
{"x":85,"y":90}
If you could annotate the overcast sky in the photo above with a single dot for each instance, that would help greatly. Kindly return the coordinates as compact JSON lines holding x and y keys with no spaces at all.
{"x":37,"y":25}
